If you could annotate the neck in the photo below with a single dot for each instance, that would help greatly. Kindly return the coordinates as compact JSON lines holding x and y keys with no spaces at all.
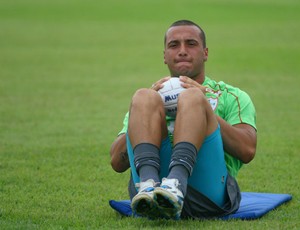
{"x":199,"y":78}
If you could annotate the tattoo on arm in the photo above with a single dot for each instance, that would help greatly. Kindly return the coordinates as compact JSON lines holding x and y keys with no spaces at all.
{"x":124,"y":156}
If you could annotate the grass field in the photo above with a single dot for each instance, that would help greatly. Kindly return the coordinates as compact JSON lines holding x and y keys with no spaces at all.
{"x":68,"y":70}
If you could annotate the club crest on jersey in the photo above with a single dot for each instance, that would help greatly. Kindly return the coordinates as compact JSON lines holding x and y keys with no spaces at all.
{"x":213,"y":103}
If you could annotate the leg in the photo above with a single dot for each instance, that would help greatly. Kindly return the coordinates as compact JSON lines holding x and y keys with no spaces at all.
{"x":147,"y":127}
{"x":195,"y":121}
{"x":195,"y":118}
{"x":210,"y":173}
{"x":165,"y":152}
{"x":147,"y":122}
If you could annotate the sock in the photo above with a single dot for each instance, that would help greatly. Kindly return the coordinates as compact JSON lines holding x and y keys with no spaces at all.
{"x":181,"y":174}
{"x":182,"y":163}
{"x":148,"y":172}
{"x":147,"y":161}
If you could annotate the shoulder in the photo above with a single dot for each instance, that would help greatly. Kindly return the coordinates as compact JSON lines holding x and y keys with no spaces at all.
{"x":225,"y":89}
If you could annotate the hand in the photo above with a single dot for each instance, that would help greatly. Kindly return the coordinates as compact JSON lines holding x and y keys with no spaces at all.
{"x":190,"y":83}
{"x":158,"y":85}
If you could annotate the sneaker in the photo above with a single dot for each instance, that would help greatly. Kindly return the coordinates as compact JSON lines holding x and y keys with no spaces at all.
{"x":143,"y":204}
{"x":169,"y":199}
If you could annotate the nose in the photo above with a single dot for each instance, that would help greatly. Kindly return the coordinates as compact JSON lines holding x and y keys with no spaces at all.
{"x":182,"y":51}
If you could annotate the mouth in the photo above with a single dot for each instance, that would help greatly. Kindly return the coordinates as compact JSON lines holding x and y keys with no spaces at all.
{"x":182,"y":61}
{"x":183,"y":67}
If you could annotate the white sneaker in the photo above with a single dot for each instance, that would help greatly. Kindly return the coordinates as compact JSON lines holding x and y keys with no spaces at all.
{"x":169,"y":199}
{"x":143,"y":203}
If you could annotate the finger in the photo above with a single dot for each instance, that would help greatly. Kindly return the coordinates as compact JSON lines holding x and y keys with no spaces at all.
{"x":188,"y":82}
{"x":159,"y":84}
{"x":155,"y":87}
{"x":163,"y":80}
{"x":183,"y":78}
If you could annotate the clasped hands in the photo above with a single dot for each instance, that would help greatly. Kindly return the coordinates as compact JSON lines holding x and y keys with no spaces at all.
{"x":186,"y":83}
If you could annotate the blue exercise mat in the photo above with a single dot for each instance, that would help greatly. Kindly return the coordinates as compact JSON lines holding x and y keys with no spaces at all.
{"x":253,"y":205}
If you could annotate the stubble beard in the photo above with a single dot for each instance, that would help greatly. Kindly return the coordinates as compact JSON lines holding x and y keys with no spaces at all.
{"x":185,"y":72}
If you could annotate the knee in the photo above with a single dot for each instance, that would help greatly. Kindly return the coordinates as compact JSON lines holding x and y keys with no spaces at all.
{"x":192,"y":97}
{"x":146,"y":98}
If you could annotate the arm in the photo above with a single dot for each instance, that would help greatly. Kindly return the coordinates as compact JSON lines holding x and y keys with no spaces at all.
{"x":118,"y":154}
{"x":238,"y":140}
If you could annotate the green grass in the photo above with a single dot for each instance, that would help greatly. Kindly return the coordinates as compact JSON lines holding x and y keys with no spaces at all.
{"x":68,"y":70}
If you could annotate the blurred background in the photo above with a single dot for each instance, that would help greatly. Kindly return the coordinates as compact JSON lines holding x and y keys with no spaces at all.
{"x":69,"y":68}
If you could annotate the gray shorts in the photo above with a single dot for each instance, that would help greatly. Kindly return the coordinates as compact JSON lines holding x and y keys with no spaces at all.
{"x":198,"y":206}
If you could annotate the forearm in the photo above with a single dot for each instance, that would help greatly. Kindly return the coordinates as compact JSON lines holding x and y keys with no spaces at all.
{"x":238,"y":140}
{"x":118,"y":153}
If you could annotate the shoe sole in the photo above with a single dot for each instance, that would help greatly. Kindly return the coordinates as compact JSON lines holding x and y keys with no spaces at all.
{"x":169,"y":206}
{"x":145,"y":206}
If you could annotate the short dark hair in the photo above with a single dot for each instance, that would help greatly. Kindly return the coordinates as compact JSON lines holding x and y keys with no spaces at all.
{"x":188,"y":23}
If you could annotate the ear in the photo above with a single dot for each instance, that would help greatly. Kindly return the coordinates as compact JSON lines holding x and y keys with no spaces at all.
{"x":205,"y":54}
{"x":165,"y":57}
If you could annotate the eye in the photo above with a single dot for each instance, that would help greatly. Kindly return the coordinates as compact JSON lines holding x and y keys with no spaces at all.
{"x":172,"y":44}
{"x":192,"y":43}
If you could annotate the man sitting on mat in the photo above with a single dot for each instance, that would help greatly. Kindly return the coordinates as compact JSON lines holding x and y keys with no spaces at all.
{"x":185,"y":167}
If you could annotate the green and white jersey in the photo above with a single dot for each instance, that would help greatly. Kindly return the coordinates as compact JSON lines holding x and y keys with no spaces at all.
{"x":228,"y":102}
{"x":235,"y":107}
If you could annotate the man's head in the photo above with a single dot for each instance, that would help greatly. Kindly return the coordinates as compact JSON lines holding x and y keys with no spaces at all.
{"x":185,"y":50}
{"x":189,"y":23}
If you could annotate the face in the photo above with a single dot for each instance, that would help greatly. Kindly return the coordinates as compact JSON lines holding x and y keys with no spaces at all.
{"x":184,"y":52}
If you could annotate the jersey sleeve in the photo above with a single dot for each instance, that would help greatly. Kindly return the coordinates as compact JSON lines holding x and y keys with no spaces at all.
{"x":240,"y":108}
